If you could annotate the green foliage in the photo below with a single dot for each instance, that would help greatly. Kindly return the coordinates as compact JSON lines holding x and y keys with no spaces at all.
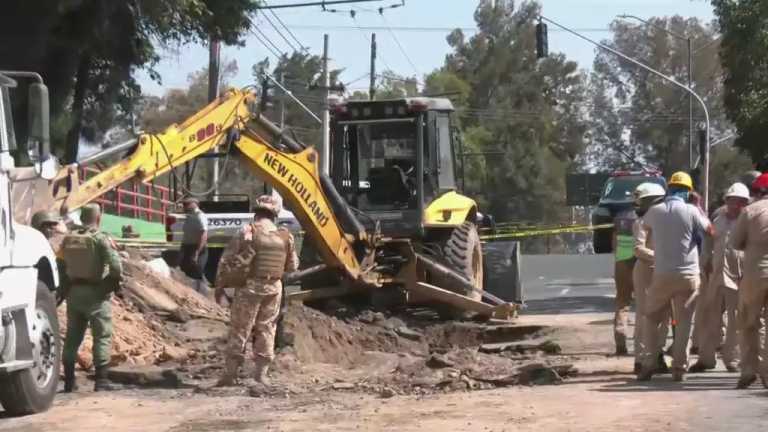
{"x":727,"y":165}
{"x":654,"y":110}
{"x":394,"y":86}
{"x":744,"y":56}
{"x":300,"y":73}
{"x":87,"y":51}
{"x":525,"y":114}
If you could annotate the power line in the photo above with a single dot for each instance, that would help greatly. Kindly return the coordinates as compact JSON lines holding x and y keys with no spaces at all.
{"x":276,"y":49}
{"x":277,"y":30}
{"x":270,"y":49}
{"x":416,"y":29}
{"x":397,"y":41}
{"x":315,"y":3}
{"x":277,"y":17}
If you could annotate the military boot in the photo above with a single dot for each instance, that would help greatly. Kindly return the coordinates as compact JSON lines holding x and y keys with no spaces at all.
{"x":102,"y":382}
{"x":229,"y":376}
{"x":262,"y":369}
{"x":70,"y":383}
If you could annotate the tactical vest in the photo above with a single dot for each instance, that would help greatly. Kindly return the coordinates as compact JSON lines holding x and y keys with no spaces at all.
{"x":79,"y":252}
{"x":625,"y":240}
{"x":270,"y":252}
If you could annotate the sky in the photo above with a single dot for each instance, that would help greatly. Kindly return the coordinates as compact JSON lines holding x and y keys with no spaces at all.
{"x":422,"y":51}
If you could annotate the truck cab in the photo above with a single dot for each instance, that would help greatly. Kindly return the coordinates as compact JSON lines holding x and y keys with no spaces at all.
{"x":616,"y":197}
{"x":29,"y":329}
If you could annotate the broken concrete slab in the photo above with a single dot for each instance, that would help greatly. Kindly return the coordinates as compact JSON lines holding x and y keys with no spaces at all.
{"x":437,"y":361}
{"x":146,"y":376}
{"x":408,"y":333}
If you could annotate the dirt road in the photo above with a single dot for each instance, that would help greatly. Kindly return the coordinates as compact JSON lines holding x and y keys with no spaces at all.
{"x":602,"y":397}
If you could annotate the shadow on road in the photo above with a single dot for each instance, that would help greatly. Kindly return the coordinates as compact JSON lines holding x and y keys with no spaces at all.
{"x":664,"y":383}
{"x":569,"y":305}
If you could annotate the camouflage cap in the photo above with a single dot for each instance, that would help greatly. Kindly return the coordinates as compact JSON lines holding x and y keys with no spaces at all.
{"x":43,"y":217}
{"x":269,"y":203}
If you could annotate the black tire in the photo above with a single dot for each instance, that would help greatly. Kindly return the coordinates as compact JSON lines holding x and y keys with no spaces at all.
{"x":463,"y":253}
{"x":602,"y":241}
{"x":32,"y":391}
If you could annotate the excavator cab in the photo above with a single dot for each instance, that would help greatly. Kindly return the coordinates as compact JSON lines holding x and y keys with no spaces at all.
{"x":395,"y":162}
{"x":393,"y":159}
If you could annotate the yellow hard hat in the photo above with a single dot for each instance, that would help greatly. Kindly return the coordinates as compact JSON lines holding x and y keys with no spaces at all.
{"x":681,"y":178}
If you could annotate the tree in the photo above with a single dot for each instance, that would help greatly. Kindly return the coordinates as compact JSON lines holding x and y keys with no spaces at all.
{"x":744,"y":57}
{"x":522,"y":113}
{"x":177,"y":105}
{"x":87,"y":51}
{"x":653,"y":111}
{"x":300,"y":73}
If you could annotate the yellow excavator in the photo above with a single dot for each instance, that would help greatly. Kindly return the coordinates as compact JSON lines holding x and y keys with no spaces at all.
{"x":388,"y":218}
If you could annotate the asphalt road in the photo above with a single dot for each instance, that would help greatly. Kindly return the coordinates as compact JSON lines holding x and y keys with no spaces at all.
{"x":567,"y":283}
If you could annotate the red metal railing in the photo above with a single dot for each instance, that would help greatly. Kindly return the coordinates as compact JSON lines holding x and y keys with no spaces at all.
{"x":133,"y":199}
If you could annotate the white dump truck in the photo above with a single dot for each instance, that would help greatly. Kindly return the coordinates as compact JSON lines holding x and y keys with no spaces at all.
{"x":29,"y":329}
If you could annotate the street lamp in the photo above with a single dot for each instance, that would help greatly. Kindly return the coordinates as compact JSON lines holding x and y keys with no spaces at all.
{"x":690,"y":76}
{"x":707,"y":125}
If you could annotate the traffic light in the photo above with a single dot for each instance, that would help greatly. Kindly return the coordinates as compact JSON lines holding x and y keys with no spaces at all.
{"x":542,"y":43}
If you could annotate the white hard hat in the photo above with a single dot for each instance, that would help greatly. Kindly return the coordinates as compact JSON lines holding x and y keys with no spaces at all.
{"x":738,"y":190}
{"x":649,"y":189}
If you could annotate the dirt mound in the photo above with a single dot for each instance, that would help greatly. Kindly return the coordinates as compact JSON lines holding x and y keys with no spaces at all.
{"x":141,"y":333}
{"x":404,"y":354}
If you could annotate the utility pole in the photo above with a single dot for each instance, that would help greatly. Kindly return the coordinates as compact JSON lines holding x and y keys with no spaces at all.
{"x":325,"y":150}
{"x":690,"y":104}
{"x":372,"y":90}
{"x":689,"y":41}
{"x":282,"y":102}
{"x":213,"y":92}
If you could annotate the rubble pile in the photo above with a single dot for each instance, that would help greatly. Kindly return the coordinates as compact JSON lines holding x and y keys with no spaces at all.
{"x":390,"y":355}
{"x":142,"y":314}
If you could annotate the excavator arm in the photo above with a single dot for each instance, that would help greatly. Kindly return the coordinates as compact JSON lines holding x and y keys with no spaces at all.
{"x":289,"y":167}
{"x":156,"y":154}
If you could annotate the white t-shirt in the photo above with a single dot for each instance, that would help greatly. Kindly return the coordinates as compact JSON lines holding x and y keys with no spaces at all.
{"x":673,"y":224}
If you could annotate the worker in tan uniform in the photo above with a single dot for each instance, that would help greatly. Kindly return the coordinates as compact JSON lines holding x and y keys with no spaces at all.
{"x":253,"y":263}
{"x":646,"y":195}
{"x":623,"y":245}
{"x":674,"y":225}
{"x":751,"y":236}
{"x":723,"y":265}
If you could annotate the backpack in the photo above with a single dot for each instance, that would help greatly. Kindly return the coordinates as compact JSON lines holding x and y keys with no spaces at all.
{"x":80,"y":253}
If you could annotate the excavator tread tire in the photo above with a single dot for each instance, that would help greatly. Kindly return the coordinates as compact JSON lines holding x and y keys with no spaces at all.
{"x":463,"y":253}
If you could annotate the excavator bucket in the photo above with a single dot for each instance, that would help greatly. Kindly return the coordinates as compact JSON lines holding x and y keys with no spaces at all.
{"x":501,"y":259}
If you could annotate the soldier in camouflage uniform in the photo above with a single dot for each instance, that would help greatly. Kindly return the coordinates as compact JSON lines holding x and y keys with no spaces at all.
{"x":254,"y":263}
{"x":94,"y":270}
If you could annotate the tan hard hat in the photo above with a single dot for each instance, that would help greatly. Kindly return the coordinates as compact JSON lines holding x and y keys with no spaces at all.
{"x":269,"y":203}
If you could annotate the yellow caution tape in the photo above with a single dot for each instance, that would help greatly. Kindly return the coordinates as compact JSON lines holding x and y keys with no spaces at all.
{"x":542,"y":232}
{"x":499,"y":235}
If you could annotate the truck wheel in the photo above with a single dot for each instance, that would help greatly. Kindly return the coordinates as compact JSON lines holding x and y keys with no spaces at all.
{"x":32,"y":390}
{"x":463,"y":253}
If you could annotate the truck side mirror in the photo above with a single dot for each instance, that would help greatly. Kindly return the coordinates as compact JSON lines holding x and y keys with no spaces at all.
{"x":39,"y":121}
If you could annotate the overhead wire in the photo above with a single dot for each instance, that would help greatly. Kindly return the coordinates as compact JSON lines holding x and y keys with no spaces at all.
{"x":397,"y":41}
{"x":279,"y":33}
{"x":270,"y":42}
{"x":293,"y":36}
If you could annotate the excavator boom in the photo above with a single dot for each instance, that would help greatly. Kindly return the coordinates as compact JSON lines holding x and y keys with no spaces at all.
{"x":294,"y":173}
